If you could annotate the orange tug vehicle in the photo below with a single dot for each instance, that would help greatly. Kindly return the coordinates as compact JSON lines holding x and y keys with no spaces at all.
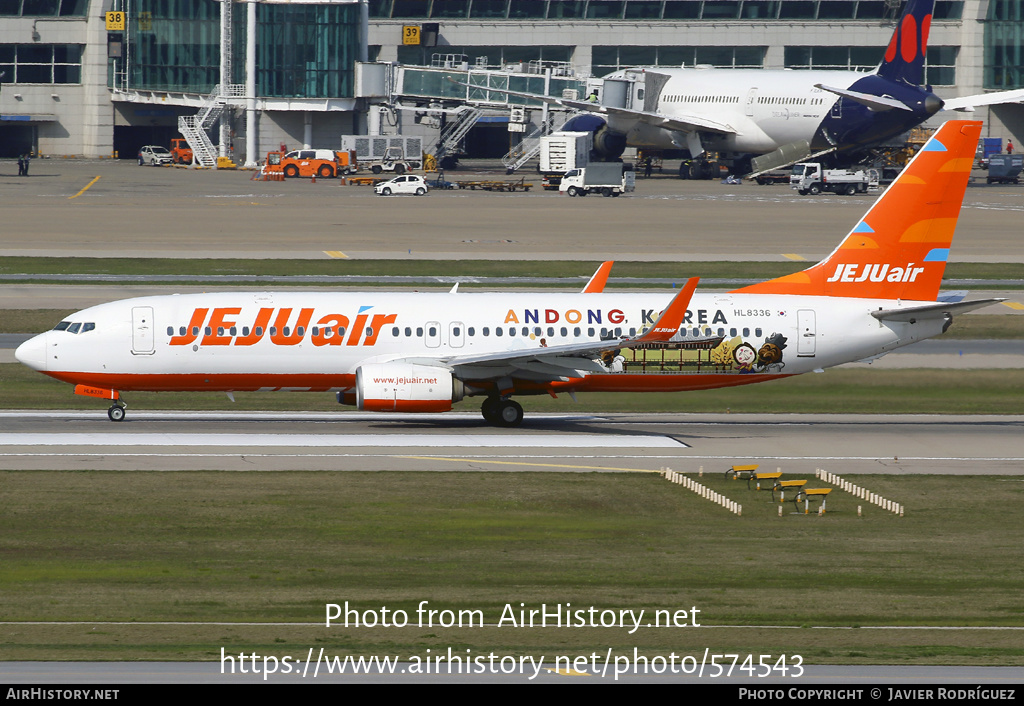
{"x":181,"y":153}
{"x":310,"y":163}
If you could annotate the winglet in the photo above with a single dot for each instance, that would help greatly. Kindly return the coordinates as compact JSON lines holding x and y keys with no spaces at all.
{"x":600,"y":278}
{"x":672,"y":318}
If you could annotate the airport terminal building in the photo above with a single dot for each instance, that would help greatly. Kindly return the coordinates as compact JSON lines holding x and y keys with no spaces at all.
{"x":294,"y":72}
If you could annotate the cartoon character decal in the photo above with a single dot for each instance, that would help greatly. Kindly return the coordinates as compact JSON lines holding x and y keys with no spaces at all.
{"x":769,"y":357}
{"x":745,"y":357}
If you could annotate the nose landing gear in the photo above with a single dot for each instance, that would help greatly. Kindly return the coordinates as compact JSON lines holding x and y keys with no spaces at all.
{"x":116,"y":412}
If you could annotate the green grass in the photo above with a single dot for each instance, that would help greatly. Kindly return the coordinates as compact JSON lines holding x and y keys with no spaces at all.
{"x":862,"y":391}
{"x":276,"y":547}
{"x":454,"y":268}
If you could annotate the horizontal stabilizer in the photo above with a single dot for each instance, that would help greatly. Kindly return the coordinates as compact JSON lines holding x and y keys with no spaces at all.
{"x":931,"y":311}
{"x":878,"y":104}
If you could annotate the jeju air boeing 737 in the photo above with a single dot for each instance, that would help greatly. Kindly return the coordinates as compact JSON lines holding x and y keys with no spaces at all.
{"x":421,"y":352}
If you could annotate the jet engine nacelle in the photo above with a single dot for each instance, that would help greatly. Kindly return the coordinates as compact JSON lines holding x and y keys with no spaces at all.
{"x":608,"y":145}
{"x":406,"y":387}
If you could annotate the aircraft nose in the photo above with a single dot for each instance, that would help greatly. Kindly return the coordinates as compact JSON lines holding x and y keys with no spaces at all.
{"x":33,"y":352}
{"x":933,"y":104}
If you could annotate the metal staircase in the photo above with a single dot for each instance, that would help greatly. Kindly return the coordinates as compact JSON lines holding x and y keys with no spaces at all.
{"x":194,"y":127}
{"x":453,"y":133}
{"x":529,"y":147}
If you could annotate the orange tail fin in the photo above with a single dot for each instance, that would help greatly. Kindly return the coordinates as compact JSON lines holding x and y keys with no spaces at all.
{"x":900,"y":248}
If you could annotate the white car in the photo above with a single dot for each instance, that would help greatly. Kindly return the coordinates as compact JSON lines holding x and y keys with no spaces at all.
{"x":154,"y":154}
{"x":406,"y":184}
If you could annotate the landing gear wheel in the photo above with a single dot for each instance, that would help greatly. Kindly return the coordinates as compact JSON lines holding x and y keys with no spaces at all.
{"x":489,"y":409}
{"x":510,"y":414}
{"x":116,"y":413}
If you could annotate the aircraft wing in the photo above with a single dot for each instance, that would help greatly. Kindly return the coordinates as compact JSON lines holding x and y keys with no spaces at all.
{"x":679,"y":123}
{"x":939,"y":310}
{"x":568,"y":360}
{"x":969,"y":103}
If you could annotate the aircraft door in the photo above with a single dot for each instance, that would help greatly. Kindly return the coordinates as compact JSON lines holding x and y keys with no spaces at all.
{"x":751,"y":101}
{"x":456,"y":334}
{"x":142,"y":330}
{"x":433,"y":334}
{"x":808,"y":333}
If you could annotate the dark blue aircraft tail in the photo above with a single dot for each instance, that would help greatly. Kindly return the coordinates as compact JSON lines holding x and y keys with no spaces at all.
{"x":904,"y":57}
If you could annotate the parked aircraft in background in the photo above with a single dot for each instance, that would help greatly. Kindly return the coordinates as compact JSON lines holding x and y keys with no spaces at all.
{"x":785,"y":116}
{"x":421,"y":352}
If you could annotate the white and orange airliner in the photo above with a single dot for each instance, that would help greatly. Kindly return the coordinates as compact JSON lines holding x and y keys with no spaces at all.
{"x":421,"y":352}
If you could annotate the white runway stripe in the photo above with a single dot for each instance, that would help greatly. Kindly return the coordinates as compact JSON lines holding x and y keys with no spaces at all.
{"x":113,"y":439}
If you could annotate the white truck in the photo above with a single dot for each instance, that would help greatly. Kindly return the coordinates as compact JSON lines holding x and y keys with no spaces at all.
{"x":560,"y":153}
{"x":607,"y":178}
{"x":811,"y":178}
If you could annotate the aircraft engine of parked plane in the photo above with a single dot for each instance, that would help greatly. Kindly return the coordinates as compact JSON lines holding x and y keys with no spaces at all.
{"x":608,"y":144}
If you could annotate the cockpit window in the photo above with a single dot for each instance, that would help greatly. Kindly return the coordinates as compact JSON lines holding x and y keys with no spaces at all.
{"x":74,"y":328}
{"x":89,"y":326}
{"x":62,"y":326}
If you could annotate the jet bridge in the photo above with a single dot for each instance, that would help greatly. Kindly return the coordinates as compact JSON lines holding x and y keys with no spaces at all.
{"x":464,"y":92}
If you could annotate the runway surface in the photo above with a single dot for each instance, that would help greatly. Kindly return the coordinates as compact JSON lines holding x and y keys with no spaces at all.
{"x":347,"y":441}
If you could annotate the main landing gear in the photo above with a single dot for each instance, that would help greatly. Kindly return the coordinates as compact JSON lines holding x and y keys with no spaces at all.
{"x":502,"y":412}
{"x":116,"y":412}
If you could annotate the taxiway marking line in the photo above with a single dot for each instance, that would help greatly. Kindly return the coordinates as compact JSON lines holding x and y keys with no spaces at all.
{"x":1014,"y":305}
{"x":794,"y":256}
{"x":84,"y":188}
{"x":522,"y":463}
{"x":337,"y":254}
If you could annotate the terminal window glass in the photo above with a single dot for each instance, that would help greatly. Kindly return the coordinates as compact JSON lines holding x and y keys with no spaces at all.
{"x":558,"y":9}
{"x":796,"y":10}
{"x":835,"y":10}
{"x":950,"y":10}
{"x":526,"y":9}
{"x":604,"y":10}
{"x":681,"y":10}
{"x":1004,"y":45}
{"x":41,"y":63}
{"x":450,"y":8}
{"x":940,"y":66}
{"x":41,"y":8}
{"x":720,"y":10}
{"x":410,"y":8}
{"x":306,"y":51}
{"x":760,"y":10}
{"x":643,"y":10}
{"x":871,"y":9}
{"x":489,"y":8}
{"x":379,"y":8}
